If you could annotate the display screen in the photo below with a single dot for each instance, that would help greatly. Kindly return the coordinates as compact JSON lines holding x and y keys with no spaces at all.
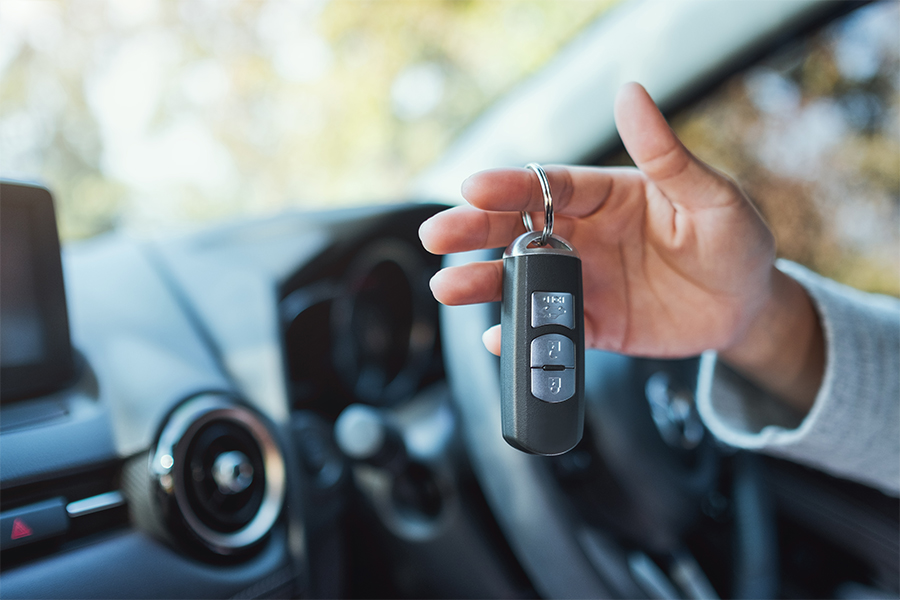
{"x":22,"y":334}
{"x":35,"y":349}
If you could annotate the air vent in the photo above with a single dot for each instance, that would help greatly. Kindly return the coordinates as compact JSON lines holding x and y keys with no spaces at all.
{"x":219,"y":472}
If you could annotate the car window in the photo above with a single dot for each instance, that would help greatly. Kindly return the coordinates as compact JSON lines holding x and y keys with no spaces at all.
{"x":812,"y":133}
{"x":149,"y":114}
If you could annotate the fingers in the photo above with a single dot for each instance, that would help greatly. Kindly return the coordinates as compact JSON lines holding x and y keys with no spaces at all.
{"x":464,"y":228}
{"x":576,"y":191}
{"x":469,"y":284}
{"x":661,"y":156}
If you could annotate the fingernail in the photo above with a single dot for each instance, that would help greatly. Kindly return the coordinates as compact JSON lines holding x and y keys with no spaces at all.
{"x":435,"y":281}
{"x":490,"y":339}
{"x":425,"y":232}
{"x":423,"y":229}
{"x":463,"y":189}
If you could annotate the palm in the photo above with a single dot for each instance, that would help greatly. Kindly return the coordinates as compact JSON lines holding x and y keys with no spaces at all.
{"x":662,"y":280}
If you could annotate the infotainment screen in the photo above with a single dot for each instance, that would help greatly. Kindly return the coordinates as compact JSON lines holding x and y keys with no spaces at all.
{"x":35,"y":349}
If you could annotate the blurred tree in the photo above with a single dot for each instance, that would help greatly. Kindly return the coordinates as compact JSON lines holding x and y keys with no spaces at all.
{"x":151,"y":114}
{"x":812,"y":133}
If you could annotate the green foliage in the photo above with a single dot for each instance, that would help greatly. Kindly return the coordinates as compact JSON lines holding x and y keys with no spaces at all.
{"x":151,"y":114}
{"x":817,"y":148}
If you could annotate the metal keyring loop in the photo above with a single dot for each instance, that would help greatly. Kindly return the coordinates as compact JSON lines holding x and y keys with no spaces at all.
{"x":548,"y":204}
{"x":526,"y":220}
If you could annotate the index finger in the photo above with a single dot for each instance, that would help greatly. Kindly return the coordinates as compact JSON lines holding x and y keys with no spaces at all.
{"x":576,"y":191}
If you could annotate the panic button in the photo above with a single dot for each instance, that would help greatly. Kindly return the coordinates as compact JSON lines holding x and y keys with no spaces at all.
{"x":32,"y":523}
{"x":552,"y":308}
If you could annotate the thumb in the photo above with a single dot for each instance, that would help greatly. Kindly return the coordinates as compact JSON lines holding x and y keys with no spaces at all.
{"x":659,"y":154}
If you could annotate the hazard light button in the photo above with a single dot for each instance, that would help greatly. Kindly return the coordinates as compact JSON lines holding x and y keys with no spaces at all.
{"x":32,"y":523}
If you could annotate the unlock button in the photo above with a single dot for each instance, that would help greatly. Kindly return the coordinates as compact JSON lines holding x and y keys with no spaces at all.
{"x":553,"y":349}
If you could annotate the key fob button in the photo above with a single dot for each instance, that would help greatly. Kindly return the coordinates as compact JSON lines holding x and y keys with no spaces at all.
{"x":553,"y":386}
{"x":553,"y":349}
{"x":552,"y":308}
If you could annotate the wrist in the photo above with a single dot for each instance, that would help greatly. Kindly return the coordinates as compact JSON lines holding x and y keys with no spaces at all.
{"x":783,"y":348}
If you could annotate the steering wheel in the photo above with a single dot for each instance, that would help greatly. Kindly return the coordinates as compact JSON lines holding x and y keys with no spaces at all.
{"x":640,"y":472}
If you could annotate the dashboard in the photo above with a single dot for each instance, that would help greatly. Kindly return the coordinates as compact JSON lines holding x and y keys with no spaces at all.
{"x":278,"y":408}
{"x":185,"y":446}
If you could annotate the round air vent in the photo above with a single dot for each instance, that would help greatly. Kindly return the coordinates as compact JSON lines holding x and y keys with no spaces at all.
{"x":219,"y":472}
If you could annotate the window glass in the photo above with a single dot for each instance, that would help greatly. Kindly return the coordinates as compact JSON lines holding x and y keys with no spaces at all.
{"x":813,"y":136}
{"x":149,"y":114}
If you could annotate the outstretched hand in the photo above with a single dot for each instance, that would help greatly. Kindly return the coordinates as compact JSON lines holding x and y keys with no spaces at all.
{"x":676,"y":260}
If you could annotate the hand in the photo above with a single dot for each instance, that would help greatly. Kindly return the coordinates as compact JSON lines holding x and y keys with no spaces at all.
{"x":676,"y":260}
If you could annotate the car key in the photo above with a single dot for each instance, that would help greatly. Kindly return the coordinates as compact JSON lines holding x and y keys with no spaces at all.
{"x":542,"y":353}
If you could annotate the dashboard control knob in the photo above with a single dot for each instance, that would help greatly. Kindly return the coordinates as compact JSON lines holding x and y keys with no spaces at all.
{"x":232,"y":472}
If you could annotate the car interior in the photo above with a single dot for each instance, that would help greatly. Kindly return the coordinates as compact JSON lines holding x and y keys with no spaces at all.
{"x":278,"y":407}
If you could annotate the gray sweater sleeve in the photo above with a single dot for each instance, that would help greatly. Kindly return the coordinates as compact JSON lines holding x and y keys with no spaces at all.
{"x":853,"y":428}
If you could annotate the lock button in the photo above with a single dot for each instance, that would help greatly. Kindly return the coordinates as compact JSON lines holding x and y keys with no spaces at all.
{"x":553,"y":386}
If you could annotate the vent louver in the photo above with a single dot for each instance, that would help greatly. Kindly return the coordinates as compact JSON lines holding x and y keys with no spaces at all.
{"x":218,"y":472}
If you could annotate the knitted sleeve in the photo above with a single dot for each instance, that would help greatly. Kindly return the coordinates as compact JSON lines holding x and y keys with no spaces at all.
{"x":853,"y":428}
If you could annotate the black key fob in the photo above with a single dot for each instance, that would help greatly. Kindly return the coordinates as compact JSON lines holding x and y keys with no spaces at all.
{"x":542,"y":354}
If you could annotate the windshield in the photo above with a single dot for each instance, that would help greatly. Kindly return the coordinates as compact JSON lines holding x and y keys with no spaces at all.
{"x":151,"y":115}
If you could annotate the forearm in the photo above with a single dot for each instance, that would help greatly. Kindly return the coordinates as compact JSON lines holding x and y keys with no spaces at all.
{"x":851,"y":431}
{"x":783,"y":350}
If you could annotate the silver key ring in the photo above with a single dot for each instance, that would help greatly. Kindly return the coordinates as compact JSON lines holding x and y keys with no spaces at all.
{"x":548,"y":205}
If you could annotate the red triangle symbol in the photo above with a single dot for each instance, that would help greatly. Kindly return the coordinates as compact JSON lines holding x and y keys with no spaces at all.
{"x":20,"y":530}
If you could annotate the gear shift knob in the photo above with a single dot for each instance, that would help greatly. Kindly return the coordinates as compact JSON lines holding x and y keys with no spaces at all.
{"x":364,"y":434}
